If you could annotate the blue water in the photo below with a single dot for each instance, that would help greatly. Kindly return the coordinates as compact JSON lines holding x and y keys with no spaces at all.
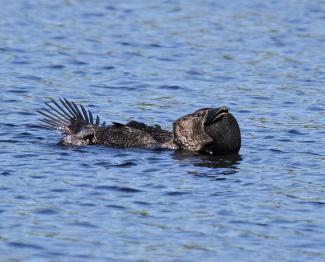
{"x":155,"y":62}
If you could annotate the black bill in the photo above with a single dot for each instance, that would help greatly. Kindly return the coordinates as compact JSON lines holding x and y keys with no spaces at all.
{"x":215,"y":114}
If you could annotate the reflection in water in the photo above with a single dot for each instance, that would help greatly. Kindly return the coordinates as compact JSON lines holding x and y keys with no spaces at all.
{"x":230,"y":162}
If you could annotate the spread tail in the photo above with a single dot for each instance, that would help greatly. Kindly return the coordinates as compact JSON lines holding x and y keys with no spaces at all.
{"x":67,"y":117}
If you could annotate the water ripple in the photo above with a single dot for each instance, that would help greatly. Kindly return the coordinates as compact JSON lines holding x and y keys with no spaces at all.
{"x":154,"y":62}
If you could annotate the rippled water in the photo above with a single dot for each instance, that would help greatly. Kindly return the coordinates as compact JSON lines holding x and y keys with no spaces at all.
{"x":155,"y":62}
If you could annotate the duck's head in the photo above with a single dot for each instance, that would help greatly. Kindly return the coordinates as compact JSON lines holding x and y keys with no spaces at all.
{"x":212,"y":130}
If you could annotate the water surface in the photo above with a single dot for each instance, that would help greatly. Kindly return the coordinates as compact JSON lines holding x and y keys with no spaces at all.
{"x":154,"y":63}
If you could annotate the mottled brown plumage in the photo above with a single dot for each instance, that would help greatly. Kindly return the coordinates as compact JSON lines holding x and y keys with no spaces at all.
{"x":200,"y":131}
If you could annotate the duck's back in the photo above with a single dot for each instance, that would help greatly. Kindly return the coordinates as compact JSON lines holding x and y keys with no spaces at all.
{"x":132,"y":134}
{"x":160,"y":135}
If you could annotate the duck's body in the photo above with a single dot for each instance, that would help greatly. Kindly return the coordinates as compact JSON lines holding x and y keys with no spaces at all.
{"x":133,"y":134}
{"x":194,"y":132}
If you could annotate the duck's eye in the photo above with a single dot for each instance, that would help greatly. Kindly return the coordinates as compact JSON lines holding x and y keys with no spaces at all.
{"x":198,"y":114}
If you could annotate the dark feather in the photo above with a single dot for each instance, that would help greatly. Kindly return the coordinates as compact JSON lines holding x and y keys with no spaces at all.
{"x":47,"y":126}
{"x":118,"y":124}
{"x":91,"y":118}
{"x":45,"y":111}
{"x":59,"y":107}
{"x":75,"y":112}
{"x":76,"y":109}
{"x":57,"y":111}
{"x":72,"y":114}
{"x":52,"y":118}
{"x":85,"y":113}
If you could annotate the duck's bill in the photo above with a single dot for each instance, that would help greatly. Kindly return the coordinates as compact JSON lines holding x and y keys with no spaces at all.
{"x":215,"y":114}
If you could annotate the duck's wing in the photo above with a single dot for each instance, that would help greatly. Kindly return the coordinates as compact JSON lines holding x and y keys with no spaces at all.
{"x":66,"y":116}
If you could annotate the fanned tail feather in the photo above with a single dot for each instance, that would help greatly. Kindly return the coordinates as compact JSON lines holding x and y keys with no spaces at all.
{"x":66,"y":116}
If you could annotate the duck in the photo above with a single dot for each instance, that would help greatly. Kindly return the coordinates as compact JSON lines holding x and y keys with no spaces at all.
{"x":207,"y":130}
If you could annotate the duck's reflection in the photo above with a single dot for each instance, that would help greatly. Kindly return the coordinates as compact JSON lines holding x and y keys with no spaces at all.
{"x":227,"y":164}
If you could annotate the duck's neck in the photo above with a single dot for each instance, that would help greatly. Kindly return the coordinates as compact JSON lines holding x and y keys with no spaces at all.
{"x":170,"y":144}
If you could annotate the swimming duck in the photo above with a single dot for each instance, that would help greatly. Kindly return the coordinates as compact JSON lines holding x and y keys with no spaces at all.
{"x":212,"y":130}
